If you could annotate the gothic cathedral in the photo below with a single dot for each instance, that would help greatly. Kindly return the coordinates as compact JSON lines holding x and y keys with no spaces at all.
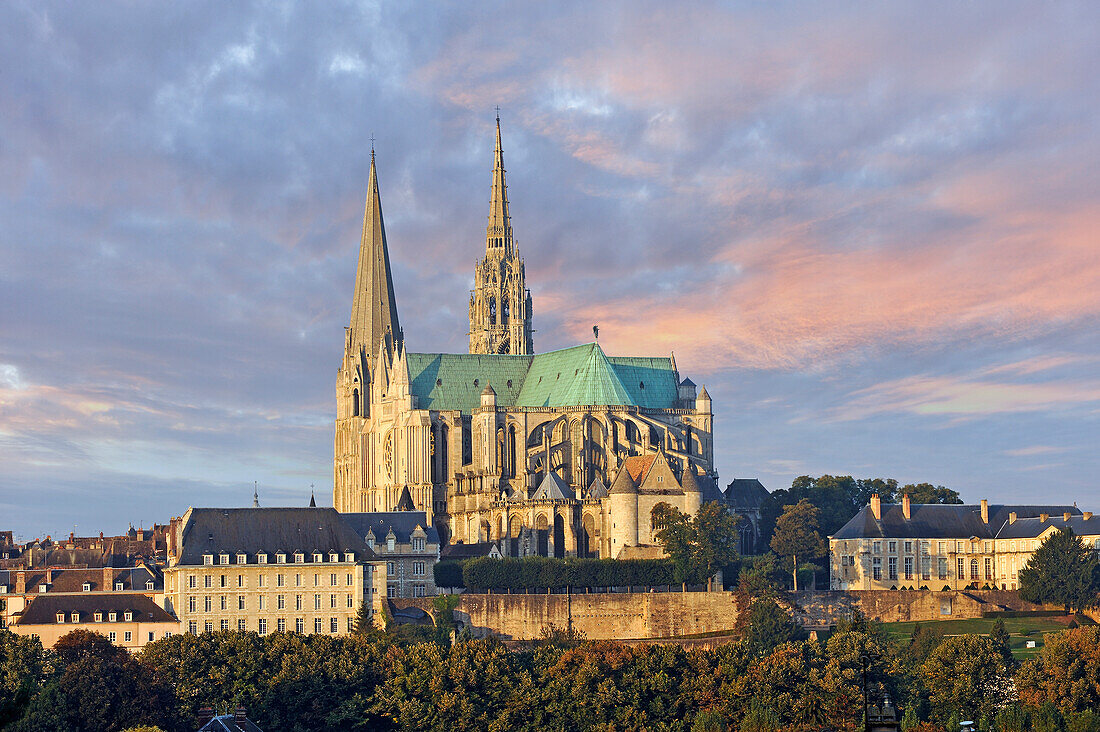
{"x":564,"y":453}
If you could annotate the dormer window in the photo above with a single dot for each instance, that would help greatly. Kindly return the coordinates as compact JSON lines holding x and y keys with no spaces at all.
{"x":418,"y":544}
{"x":87,"y":586}
{"x":299,"y":557}
{"x":98,"y":616}
{"x":118,"y":587}
{"x":149,"y":585}
{"x":75,"y":617}
{"x":129,"y":615}
{"x":390,"y":543}
{"x":261,"y":558}
{"x":61,"y":617}
{"x":42,"y":588}
{"x":280,"y":558}
{"x":349,"y":556}
{"x":207,"y":559}
{"x":3,"y":589}
{"x":318,"y":557}
{"x":112,"y":616}
{"x":370,"y":540}
{"x":223,"y":559}
{"x":242,"y":559}
{"x":334,"y":557}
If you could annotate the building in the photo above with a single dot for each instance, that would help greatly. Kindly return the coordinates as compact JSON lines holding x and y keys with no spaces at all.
{"x":127,"y":619}
{"x":502,"y":444}
{"x":1020,"y":536}
{"x":745,"y":498}
{"x":407,"y":543}
{"x":19,"y":586}
{"x":126,"y":550}
{"x":268,"y":569}
{"x":938,"y":546}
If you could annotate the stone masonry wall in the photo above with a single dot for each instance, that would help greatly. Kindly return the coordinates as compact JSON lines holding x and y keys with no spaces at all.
{"x":604,"y":616}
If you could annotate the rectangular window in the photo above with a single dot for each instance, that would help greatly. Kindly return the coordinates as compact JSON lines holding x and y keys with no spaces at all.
{"x":316,"y":602}
{"x":351,"y":601}
{"x":925,"y":567}
{"x":192,"y":627}
{"x":297,"y":602}
{"x":207,"y":581}
{"x":299,"y":625}
{"x":418,"y":590}
{"x":191,"y":604}
{"x":207,"y":558}
{"x":908,"y":565}
{"x":112,"y":636}
{"x":224,"y":604}
{"x":418,"y":569}
{"x":151,"y":636}
{"x":876,"y":568}
{"x":242,"y":559}
{"x":297,"y":580}
{"x":350,"y":579}
{"x":222,"y":581}
{"x":988,"y":568}
{"x":334,"y":625}
{"x":225,"y":624}
{"x":208,"y":626}
{"x":893,"y":547}
{"x":262,"y":626}
{"x":128,"y":636}
{"x":317,"y":625}
{"x":316,"y":580}
{"x":942,"y":567}
{"x":278,"y":580}
{"x":893,"y":568}
{"x":332,"y":580}
{"x":332,"y":601}
{"x":242,"y":625}
{"x":260,"y":581}
{"x":942,"y":547}
{"x":191,"y":581}
{"x":389,"y":568}
{"x":876,"y":547}
{"x":262,"y":603}
{"x":240,"y":580}
{"x":351,"y":624}
{"x":418,"y":544}
{"x":962,"y":569}
{"x":206,"y":604}
{"x":280,"y":625}
{"x":280,"y":602}
{"x":240,"y":602}
{"x":391,"y":591}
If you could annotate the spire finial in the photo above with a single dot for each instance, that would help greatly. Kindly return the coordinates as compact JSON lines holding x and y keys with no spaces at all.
{"x":255,"y":494}
{"x":596,"y":333}
{"x":372,"y":147}
{"x":498,"y":114}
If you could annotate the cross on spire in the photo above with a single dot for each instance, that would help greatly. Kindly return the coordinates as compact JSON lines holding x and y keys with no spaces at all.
{"x":498,"y":112}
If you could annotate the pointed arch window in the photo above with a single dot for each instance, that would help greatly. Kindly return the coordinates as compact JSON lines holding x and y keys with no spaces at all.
{"x":492,"y":311}
{"x":504,"y":312}
{"x":355,"y":402}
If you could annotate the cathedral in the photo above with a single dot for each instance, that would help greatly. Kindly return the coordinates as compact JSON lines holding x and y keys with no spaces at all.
{"x":564,"y":453}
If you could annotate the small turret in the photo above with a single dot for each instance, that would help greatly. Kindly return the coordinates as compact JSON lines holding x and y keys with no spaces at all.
{"x":702,"y":402}
{"x":488,"y":397}
{"x":623,"y":496}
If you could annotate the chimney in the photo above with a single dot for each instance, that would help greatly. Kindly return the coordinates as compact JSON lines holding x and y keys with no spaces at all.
{"x":1012,"y":517}
{"x":141,"y":535}
{"x":239,"y":716}
{"x":906,"y":509}
{"x":985,"y":511}
{"x":49,"y":575}
{"x":1065,"y":516}
{"x":1043,"y":517}
{"x":1087,"y":515}
{"x":205,"y":715}
{"x":108,"y":583}
{"x":20,"y":583}
{"x":876,"y":506}
{"x":101,"y":535}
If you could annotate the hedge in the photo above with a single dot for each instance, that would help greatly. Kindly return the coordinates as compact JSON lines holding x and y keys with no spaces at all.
{"x":541,"y":572}
{"x":448,"y":573}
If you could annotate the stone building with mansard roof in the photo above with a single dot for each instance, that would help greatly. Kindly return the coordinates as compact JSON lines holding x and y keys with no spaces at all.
{"x":502,"y":444}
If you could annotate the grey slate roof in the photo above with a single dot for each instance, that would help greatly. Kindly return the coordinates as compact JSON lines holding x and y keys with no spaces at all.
{"x":936,"y":521}
{"x":402,"y":523}
{"x":43,"y":609}
{"x":597,"y":490}
{"x":467,"y":551}
{"x":1028,"y":528}
{"x":268,"y":530}
{"x":746,"y":493}
{"x":552,"y":488}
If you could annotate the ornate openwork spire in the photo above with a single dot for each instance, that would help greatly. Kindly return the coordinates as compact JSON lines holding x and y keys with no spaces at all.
{"x":498,"y":233}
{"x":374,"y":309}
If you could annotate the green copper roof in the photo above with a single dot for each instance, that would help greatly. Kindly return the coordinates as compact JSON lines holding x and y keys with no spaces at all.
{"x":577,"y":376}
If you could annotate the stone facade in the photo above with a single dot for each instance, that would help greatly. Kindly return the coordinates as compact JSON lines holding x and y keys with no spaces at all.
{"x":408,"y":545}
{"x":500,"y":444}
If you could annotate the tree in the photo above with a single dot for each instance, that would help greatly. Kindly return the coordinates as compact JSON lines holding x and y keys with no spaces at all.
{"x":21,"y":660}
{"x":767,"y":626}
{"x":1062,"y":571}
{"x":928,"y":493}
{"x":999,"y":636}
{"x":796,"y":535}
{"x":1066,"y":673}
{"x":966,"y":675}
{"x":699,"y":546}
{"x":364,"y":621}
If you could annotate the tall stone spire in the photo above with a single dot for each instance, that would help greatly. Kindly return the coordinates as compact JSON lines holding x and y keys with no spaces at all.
{"x":374,"y":309}
{"x":500,"y":304}
{"x":498,"y":233}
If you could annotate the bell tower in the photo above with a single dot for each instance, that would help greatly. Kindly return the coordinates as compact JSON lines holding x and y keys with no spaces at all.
{"x":500,"y":303}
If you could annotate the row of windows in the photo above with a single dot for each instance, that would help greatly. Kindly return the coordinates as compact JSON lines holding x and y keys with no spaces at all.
{"x":418,"y":569}
{"x":128,"y":636}
{"x":263,"y":602}
{"x":262,"y":626}
{"x":281,"y":580}
{"x":942,"y":547}
{"x":280,"y":558}
{"x":119,"y":586}
{"x":391,"y":544}
{"x":926,"y":566}
{"x":112,"y":617}
{"x":418,"y":591}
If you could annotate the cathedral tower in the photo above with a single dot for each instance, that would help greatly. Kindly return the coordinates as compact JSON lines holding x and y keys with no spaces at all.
{"x":500,"y":304}
{"x":374,"y":332}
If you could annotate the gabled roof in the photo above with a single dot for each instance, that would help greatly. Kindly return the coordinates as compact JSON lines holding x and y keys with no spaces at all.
{"x":43,"y":609}
{"x":623,"y":482}
{"x":228,"y":723}
{"x":597,"y":490}
{"x":552,"y":488}
{"x":589,"y":379}
{"x":937,"y":521}
{"x":401,"y":523}
{"x":405,"y":502}
{"x":746,"y":493}
{"x":267,"y":530}
{"x":454,"y":381}
{"x":467,"y":551}
{"x":638,"y":466}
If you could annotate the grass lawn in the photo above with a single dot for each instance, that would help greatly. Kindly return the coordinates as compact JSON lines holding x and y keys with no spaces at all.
{"x":1020,"y":630}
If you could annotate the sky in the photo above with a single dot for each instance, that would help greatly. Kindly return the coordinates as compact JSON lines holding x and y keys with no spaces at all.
{"x":872,"y":230}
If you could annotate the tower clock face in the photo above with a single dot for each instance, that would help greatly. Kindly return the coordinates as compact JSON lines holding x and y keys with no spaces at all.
{"x":387,"y":454}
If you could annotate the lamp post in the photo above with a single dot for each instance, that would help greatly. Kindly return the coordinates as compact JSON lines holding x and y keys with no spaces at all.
{"x":866,"y":660}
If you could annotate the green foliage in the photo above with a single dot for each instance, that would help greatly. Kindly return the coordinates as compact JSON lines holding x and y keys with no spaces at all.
{"x":768,"y":625}
{"x":448,"y":573}
{"x":966,"y":675}
{"x":443,"y":613}
{"x":760,"y":576}
{"x":540,"y":573}
{"x":796,"y":535}
{"x":1066,"y":673}
{"x":999,"y":635}
{"x":1063,"y":571}
{"x":698,"y":545}
{"x":364,"y":620}
{"x":21,"y":665}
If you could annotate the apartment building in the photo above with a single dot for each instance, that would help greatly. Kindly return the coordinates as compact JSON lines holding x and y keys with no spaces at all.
{"x":298,"y":570}
{"x":408,"y":545}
